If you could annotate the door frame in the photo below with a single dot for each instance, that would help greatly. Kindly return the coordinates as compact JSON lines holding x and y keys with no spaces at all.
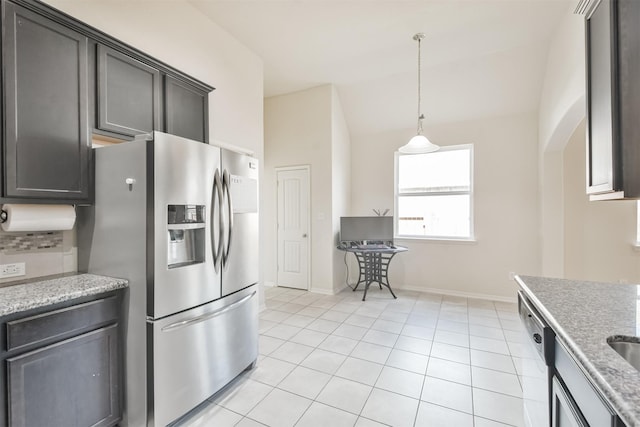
{"x":306,"y":168}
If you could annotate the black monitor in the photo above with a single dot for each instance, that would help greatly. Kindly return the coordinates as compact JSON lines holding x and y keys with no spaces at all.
{"x":366,"y":228}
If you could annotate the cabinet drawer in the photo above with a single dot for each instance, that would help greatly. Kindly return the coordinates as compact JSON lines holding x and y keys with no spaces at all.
{"x":61,"y":323}
{"x":595,"y":411}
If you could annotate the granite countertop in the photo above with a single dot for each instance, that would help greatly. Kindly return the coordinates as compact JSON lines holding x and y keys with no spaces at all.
{"x":41,"y":292}
{"x":583,"y":315}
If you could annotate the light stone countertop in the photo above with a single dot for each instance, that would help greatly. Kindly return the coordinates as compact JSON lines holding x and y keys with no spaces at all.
{"x":583,"y":314}
{"x":42,"y":292}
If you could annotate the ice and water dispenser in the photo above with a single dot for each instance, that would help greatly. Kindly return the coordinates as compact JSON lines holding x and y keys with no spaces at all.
{"x":186,"y":235}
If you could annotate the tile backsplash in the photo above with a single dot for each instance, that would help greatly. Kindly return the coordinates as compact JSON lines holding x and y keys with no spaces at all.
{"x":28,"y":242}
{"x":44,"y":253}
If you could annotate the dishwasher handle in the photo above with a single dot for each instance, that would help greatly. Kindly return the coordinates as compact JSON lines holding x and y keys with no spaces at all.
{"x":206,"y":316}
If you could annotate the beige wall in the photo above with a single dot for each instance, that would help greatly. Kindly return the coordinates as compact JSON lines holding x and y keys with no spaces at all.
{"x":505,"y":207}
{"x":599,"y":236}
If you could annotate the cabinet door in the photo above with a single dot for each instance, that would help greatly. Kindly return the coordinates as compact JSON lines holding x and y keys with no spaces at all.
{"x":186,"y":110}
{"x":602,"y":174}
{"x":71,"y":383}
{"x":564,"y":412}
{"x":46,"y":144}
{"x":128,"y":94}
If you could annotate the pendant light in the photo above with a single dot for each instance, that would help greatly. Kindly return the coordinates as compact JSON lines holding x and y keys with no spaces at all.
{"x":419,"y":144}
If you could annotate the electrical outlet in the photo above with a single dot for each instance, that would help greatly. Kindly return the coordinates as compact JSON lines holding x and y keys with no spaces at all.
{"x":12,"y":270}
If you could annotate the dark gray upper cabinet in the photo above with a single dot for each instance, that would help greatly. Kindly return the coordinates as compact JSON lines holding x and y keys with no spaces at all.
{"x":613,"y":99}
{"x":63,"y":80}
{"x":128,"y":94}
{"x":186,"y":110}
{"x":46,"y":135}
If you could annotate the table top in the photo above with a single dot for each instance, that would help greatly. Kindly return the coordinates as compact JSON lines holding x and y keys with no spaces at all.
{"x":374,"y":249}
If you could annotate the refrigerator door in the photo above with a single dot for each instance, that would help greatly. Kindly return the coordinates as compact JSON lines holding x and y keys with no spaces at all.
{"x":240,"y":222}
{"x":197,"y":352}
{"x":183,"y":187}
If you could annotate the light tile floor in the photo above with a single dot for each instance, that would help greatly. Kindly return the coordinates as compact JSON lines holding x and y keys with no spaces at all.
{"x":420,"y":360}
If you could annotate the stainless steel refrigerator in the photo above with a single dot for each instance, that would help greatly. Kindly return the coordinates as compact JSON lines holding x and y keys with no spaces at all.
{"x":179,"y":220}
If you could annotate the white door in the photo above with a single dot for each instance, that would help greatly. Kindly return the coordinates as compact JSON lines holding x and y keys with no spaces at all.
{"x":293,"y":228}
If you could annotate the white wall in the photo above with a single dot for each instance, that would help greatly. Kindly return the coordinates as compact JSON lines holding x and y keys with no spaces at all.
{"x":564,"y":83}
{"x":562,"y":107}
{"x":308,"y":128}
{"x":341,"y":183}
{"x":505,"y":206}
{"x":599,"y":236}
{"x":298,"y":131}
{"x":551,"y":214}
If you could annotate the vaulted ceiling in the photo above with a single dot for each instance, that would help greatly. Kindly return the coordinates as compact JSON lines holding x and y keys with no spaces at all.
{"x":480,"y":57}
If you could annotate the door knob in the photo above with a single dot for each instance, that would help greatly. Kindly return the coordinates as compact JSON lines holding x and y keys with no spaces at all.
{"x":304,"y":235}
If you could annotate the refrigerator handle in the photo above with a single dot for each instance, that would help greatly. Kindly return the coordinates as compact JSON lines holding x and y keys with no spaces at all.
{"x":216,"y":241}
{"x":225,"y":186}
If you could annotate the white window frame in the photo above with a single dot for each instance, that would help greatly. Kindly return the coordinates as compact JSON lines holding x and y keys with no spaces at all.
{"x":471,"y":237}
{"x":636,"y":244}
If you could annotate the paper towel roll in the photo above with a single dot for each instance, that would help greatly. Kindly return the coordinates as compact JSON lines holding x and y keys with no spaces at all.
{"x":38,"y":217}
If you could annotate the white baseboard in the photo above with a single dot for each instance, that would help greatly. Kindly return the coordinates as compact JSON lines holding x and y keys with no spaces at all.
{"x":450,"y":292}
{"x":455,"y":293}
{"x":322,"y":291}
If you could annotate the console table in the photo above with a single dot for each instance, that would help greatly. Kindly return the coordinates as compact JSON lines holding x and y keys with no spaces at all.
{"x":373,"y":265}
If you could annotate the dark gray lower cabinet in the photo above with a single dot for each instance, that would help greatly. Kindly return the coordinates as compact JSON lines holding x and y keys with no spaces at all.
{"x":46,"y":135}
{"x":575,"y":401}
{"x":71,"y":383}
{"x":62,"y":365}
{"x":565,"y":412}
{"x":186,"y":112}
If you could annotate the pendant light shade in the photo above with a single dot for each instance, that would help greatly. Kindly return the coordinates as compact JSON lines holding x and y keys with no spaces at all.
{"x":419,"y":144}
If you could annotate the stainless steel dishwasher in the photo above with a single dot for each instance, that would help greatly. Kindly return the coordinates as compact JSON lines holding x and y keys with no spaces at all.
{"x":536,"y":366}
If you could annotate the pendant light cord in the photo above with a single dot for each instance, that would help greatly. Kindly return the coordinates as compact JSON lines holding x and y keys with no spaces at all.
{"x":419,"y":38}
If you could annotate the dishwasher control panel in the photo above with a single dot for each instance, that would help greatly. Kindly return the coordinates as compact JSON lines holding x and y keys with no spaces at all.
{"x":538,"y":332}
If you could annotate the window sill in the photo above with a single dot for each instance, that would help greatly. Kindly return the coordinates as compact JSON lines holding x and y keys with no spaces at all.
{"x":466,"y":241}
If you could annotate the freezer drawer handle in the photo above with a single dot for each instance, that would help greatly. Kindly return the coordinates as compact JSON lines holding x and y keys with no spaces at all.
{"x":188,"y":322}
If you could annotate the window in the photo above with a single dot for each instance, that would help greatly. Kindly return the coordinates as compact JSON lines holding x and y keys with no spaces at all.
{"x":434,"y":194}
